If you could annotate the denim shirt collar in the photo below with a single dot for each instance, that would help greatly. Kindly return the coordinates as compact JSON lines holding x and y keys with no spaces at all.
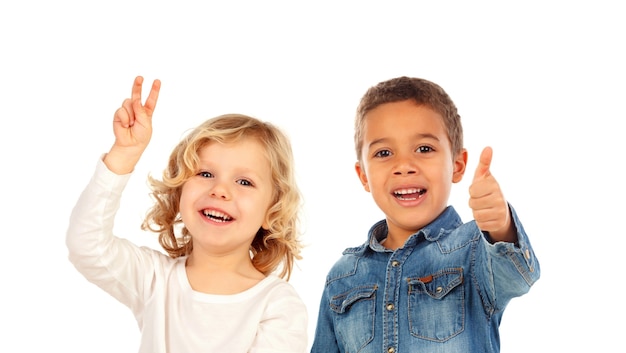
{"x":448,"y":219}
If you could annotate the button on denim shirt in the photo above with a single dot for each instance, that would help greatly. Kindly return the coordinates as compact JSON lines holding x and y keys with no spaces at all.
{"x":444,"y":291}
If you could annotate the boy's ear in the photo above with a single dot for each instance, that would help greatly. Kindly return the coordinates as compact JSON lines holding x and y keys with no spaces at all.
{"x":362,"y":176}
{"x":460,"y":162}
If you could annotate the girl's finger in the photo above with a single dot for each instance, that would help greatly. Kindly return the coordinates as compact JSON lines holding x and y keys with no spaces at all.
{"x":121,"y":116}
{"x":153,"y":97}
{"x":136,"y":92}
{"x":128,"y":106}
{"x":138,"y":112}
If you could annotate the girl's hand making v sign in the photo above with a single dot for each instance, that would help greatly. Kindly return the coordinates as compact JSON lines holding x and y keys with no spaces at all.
{"x":132,"y":126}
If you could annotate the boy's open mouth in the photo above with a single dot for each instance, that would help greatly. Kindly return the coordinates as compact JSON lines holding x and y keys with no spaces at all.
{"x":409,"y":194}
{"x":217,"y":216}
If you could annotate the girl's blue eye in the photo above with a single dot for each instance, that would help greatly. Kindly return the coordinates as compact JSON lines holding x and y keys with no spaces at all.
{"x":383,"y":153}
{"x":244,"y":182}
{"x":205,"y":174}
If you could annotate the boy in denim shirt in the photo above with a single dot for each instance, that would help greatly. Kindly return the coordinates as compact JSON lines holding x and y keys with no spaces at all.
{"x":424,"y":281}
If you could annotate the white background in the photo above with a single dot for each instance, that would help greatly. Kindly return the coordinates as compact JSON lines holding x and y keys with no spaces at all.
{"x":542,"y":82}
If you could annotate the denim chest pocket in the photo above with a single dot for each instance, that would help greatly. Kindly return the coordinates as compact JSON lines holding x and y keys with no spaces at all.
{"x":437,"y":305}
{"x":354,"y":316}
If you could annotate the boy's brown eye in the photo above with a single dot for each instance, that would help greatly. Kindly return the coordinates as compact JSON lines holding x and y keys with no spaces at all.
{"x":383,"y":153}
{"x":424,"y":149}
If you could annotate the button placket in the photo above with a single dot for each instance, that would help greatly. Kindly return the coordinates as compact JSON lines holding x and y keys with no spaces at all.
{"x":390,"y":319}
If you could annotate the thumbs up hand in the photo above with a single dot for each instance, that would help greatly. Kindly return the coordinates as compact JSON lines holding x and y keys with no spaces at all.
{"x":489,"y":207}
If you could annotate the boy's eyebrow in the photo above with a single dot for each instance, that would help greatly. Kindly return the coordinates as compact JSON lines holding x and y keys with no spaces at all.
{"x":418,"y":136}
{"x":427,"y":135}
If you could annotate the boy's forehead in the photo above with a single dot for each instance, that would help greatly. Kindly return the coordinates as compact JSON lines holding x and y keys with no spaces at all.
{"x":408,"y":112}
{"x":409,"y":122}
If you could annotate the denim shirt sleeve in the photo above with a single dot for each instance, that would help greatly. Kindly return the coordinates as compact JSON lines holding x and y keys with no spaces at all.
{"x":325,"y":336}
{"x":325,"y":339}
{"x":510,"y":269}
{"x":359,"y":293}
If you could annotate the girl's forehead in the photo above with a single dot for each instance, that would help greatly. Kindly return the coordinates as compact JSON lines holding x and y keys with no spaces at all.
{"x":249,"y":144}
{"x":246,"y":151}
{"x":240,"y":140}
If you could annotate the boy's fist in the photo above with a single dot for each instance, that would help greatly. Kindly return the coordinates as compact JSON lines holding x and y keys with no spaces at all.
{"x":489,"y":207}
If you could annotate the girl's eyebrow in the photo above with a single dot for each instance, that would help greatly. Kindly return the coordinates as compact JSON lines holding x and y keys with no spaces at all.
{"x":243,"y":171}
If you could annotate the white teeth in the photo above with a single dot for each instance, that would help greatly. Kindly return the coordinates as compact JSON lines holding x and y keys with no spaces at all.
{"x":408,"y":191}
{"x":218,"y":216}
{"x":409,"y":194}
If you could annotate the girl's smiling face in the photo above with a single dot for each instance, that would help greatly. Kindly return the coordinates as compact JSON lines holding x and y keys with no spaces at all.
{"x":226,"y":202}
{"x":407,"y":165}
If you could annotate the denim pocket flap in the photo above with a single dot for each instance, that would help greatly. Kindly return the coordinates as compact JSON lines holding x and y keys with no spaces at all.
{"x":342,"y":302}
{"x":438,"y":284}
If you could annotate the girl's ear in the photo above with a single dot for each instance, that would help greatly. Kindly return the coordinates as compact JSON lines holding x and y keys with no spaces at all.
{"x":460,"y":162}
{"x":266,"y":221}
{"x":362,"y":176}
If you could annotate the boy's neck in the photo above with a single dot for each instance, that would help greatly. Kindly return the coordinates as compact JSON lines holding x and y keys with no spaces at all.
{"x":392,"y":242}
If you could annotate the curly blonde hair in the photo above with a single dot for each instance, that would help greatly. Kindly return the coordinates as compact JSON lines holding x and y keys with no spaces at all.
{"x":278,"y":246}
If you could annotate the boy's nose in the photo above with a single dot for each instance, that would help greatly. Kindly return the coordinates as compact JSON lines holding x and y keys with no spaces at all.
{"x":404,"y":165}
{"x":404,"y":171}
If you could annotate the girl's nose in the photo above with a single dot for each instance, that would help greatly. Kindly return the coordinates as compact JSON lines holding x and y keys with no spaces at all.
{"x":219,"y":190}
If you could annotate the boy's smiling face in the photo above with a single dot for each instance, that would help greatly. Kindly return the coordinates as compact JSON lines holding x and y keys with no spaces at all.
{"x":408,"y":166}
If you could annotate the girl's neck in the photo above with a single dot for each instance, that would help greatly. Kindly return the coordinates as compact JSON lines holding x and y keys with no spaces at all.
{"x":221,"y":275}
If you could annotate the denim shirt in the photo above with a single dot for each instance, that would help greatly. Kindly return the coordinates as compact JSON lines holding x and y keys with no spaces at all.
{"x":444,"y":291}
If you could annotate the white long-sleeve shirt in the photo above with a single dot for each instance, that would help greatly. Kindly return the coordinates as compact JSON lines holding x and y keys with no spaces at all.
{"x":172,"y":317}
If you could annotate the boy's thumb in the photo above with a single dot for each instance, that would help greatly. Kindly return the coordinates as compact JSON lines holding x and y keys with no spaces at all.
{"x":484,"y":163}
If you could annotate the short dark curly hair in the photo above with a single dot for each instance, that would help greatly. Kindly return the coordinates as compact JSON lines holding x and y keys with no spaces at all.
{"x":422,"y":92}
